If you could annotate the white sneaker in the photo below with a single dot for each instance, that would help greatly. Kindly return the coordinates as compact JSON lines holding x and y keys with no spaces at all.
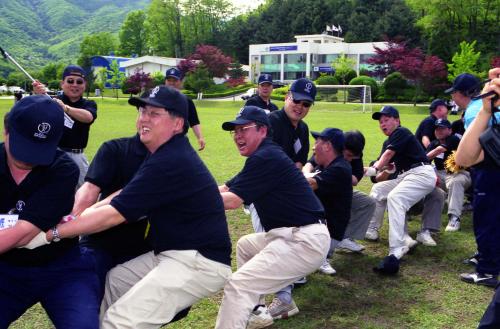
{"x":371,"y":234}
{"x":453,"y":224}
{"x":350,"y":244}
{"x":260,"y":318}
{"x":425,"y":238}
{"x":409,"y":242}
{"x":281,"y":310}
{"x":326,"y":268}
{"x":399,"y":252}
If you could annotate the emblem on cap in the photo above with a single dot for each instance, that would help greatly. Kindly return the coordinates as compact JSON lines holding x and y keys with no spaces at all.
{"x":43,"y":130}
{"x":20,"y":205}
{"x":239,"y":113}
{"x":154,"y":92}
{"x":308,"y":87}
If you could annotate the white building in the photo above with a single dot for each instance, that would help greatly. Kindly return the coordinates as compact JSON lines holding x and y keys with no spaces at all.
{"x":149,"y":64}
{"x":307,"y":57}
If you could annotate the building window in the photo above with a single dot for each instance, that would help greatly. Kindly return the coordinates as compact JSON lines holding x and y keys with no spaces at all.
{"x":295,"y":66}
{"x":327,"y":58}
{"x":271,"y":64}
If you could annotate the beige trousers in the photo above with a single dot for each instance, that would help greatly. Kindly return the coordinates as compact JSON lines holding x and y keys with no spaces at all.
{"x":147,"y":291}
{"x":268,"y":262}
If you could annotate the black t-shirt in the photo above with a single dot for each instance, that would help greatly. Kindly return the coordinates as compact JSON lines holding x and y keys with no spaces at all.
{"x":335,"y":193}
{"x":259,"y":102}
{"x":408,"y":150}
{"x":294,"y":141}
{"x":277,"y":188}
{"x":426,"y":128}
{"x":175,"y":190}
{"x":77,"y":137}
{"x":192,"y":114}
{"x":357,"y":167}
{"x":450,"y":144}
{"x":457,"y":128}
{"x":114,"y":165}
{"x":43,"y":198}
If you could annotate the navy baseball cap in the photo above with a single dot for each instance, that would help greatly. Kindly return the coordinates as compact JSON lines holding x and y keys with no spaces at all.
{"x":35,"y":126}
{"x":386,"y":110}
{"x":465,"y":83}
{"x":442,"y":123}
{"x":437,"y":102}
{"x":73,"y":70}
{"x":265,"y":78}
{"x":174,"y":73}
{"x":165,"y":97}
{"x":246,"y":115}
{"x":333,"y":135}
{"x":303,"y":90}
{"x":388,"y":266}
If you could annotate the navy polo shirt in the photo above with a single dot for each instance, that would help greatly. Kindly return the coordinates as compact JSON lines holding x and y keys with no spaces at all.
{"x":294,"y":141}
{"x":358,"y":170}
{"x":450,"y":144}
{"x":192,"y":114}
{"x":335,"y":193}
{"x":114,"y":165}
{"x":256,"y":100}
{"x":408,"y":150}
{"x":78,"y":136}
{"x":176,"y":192}
{"x":43,"y":198}
{"x":457,"y":128}
{"x":426,"y":128}
{"x":277,"y":188}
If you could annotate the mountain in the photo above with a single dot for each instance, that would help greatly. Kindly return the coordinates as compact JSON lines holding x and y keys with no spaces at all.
{"x":36,"y":32}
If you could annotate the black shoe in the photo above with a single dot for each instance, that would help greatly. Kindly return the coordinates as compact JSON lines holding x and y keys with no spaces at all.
{"x":473,"y":260}
{"x":481,"y":279}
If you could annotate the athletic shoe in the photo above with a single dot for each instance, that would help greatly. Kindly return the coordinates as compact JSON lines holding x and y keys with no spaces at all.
{"x":260,"y":318}
{"x":409,"y":242}
{"x":371,"y":234}
{"x":473,"y":260}
{"x":350,"y":244}
{"x":478,"y":278}
{"x":300,"y":282}
{"x":281,"y":310}
{"x":326,"y":268}
{"x":399,"y":252}
{"x":425,"y":238}
{"x":453,"y":224}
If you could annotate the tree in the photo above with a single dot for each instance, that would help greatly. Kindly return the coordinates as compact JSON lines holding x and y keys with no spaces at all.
{"x":465,"y":60}
{"x":199,"y":80}
{"x":137,"y":82}
{"x":213,"y":59}
{"x":186,"y":66}
{"x":115,"y":76}
{"x":132,"y":34}
{"x":51,"y":71}
{"x":343,"y":66}
{"x":384,"y":58}
{"x":101,"y":43}
{"x":495,"y":62}
{"x":158,"y":78}
{"x":236,"y":74}
{"x":434,"y":75}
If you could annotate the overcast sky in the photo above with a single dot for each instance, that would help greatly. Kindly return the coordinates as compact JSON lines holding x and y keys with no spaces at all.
{"x":245,"y":5}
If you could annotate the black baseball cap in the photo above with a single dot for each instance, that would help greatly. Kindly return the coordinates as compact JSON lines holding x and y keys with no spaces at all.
{"x":437,"y":102}
{"x":165,"y":97}
{"x":333,"y":135}
{"x":303,"y":90}
{"x":174,"y":73}
{"x":73,"y":70}
{"x":466,"y":83}
{"x":265,"y":78}
{"x":35,"y":126}
{"x":246,"y":115}
{"x":386,"y":110}
{"x":388,"y":266}
{"x":442,"y":123}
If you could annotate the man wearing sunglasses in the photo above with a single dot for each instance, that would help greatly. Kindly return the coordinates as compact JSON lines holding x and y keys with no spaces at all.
{"x":80,"y":114}
{"x":288,"y":129}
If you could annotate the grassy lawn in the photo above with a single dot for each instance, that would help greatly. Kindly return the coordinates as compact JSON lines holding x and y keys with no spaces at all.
{"x":425,"y":294}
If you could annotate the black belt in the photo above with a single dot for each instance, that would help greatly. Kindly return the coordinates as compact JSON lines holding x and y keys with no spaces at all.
{"x":415,"y":165}
{"x":66,"y":149}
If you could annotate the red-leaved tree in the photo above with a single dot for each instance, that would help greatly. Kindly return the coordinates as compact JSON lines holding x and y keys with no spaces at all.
{"x":186,"y":66}
{"x":384,"y":59}
{"x":137,"y":82}
{"x":213,"y":58}
{"x":434,"y":75}
{"x":495,"y":62}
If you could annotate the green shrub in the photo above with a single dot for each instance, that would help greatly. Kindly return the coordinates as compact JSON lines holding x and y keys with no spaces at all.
{"x":395,"y":85}
{"x":326,"y":80}
{"x":366,"y":80}
{"x":347,"y":77}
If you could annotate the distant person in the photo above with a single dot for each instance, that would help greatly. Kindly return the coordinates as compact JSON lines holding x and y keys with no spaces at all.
{"x":264,"y":91}
{"x":18,"y":95}
{"x":173,"y":78}
{"x":425,"y":131}
{"x":80,"y":115}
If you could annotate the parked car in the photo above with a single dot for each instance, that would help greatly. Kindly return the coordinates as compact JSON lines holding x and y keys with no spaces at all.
{"x":250,"y":92}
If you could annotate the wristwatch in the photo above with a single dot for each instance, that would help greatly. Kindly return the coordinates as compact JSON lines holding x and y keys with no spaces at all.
{"x":55,"y":235}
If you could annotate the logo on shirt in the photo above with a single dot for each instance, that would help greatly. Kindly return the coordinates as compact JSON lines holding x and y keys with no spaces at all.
{"x":154,"y":92}
{"x":308,"y":87}
{"x":20,"y":205}
{"x":43,"y":130}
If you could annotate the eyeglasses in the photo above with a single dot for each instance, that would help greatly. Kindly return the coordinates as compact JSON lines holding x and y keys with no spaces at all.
{"x":240,"y":130}
{"x":153,"y":114}
{"x":72,"y":81}
{"x":305,"y":104}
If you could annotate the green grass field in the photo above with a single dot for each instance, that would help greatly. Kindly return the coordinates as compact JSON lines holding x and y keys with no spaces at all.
{"x":425,"y":294}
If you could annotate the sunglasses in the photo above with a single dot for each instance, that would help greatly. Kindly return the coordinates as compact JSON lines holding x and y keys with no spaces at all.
{"x":240,"y":130}
{"x":304,"y":103}
{"x":73,"y":81}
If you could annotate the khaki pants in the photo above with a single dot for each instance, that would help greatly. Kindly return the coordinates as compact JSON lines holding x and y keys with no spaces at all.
{"x":398,"y":196}
{"x":268,"y":262}
{"x":455,"y":184}
{"x":147,"y":291}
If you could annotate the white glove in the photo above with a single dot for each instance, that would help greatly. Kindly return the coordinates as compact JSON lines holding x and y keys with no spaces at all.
{"x":311,"y":174}
{"x":390,"y":169}
{"x":370,"y":171}
{"x":39,"y":240}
